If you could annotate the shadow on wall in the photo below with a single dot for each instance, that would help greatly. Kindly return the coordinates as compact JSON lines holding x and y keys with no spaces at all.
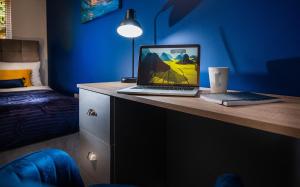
{"x":241,"y":39}
{"x":228,"y":49}
{"x":181,"y":8}
{"x":285,"y":74}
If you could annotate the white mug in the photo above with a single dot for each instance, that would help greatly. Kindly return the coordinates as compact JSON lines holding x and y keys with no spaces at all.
{"x":218,"y":79}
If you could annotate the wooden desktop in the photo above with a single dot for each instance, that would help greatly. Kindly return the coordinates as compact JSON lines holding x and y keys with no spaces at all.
{"x":170,"y":138}
{"x":281,"y":118}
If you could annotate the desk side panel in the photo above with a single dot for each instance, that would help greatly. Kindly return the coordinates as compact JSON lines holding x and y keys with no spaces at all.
{"x":139,"y":144}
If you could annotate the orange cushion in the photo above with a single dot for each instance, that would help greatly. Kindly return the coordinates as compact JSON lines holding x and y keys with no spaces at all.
{"x":24,"y":74}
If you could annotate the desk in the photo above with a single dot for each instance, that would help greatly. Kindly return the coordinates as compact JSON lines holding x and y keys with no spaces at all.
{"x":156,"y":127}
{"x":281,"y":118}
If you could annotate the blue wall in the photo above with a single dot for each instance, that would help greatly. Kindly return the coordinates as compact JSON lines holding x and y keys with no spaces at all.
{"x":258,"y":39}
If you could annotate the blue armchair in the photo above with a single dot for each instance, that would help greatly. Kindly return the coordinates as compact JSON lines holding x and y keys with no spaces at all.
{"x":52,"y":167}
{"x":229,"y":180}
{"x":45,"y":168}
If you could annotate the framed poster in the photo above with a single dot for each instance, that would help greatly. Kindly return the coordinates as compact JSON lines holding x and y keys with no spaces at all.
{"x":91,"y":9}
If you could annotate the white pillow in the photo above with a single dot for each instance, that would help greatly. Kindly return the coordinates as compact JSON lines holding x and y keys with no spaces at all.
{"x":34,"y":66}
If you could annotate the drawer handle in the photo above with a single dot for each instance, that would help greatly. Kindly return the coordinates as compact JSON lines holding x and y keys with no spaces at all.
{"x":92,"y":156}
{"x":92,"y":112}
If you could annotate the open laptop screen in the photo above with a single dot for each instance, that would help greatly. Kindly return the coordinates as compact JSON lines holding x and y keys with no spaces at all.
{"x":169,"y":65}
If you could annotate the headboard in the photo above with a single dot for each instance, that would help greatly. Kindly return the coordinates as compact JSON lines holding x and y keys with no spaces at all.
{"x":19,"y":50}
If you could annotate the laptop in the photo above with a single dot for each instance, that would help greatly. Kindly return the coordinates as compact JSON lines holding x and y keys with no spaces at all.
{"x":167,"y":70}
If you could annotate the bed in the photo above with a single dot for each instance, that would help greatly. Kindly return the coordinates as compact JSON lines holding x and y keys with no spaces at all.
{"x":32,"y":114}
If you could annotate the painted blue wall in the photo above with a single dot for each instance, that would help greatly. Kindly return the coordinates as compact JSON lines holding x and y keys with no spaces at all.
{"x":258,"y":39}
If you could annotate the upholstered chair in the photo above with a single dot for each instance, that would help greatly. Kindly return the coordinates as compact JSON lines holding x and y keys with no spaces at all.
{"x":55,"y":168}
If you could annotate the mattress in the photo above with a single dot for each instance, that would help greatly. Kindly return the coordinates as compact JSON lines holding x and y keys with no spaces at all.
{"x":35,"y":114}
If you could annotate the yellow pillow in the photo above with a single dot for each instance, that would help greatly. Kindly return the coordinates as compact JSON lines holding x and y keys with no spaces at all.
{"x":24,"y":74}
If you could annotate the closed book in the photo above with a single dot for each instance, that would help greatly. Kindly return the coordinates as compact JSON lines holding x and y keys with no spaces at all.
{"x":238,"y":98}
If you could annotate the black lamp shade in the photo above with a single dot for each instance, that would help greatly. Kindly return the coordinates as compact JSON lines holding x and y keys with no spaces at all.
{"x":129,"y":27}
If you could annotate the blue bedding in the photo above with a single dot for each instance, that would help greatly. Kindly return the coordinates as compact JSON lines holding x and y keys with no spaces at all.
{"x":32,"y":116}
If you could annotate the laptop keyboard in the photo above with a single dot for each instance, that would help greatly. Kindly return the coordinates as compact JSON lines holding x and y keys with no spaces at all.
{"x":164,"y":87}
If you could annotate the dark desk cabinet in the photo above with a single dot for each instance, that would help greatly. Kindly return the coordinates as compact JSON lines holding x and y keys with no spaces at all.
{"x":155,"y":141}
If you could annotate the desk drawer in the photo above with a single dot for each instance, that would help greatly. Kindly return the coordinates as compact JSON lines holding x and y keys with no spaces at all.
{"x":94,"y":114}
{"x":98,"y":170}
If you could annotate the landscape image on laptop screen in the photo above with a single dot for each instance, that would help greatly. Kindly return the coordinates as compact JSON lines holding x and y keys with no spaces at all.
{"x":170,"y":66}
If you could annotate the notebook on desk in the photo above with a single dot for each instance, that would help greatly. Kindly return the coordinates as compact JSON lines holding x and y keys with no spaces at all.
{"x":167,"y":70}
{"x":238,"y":98}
